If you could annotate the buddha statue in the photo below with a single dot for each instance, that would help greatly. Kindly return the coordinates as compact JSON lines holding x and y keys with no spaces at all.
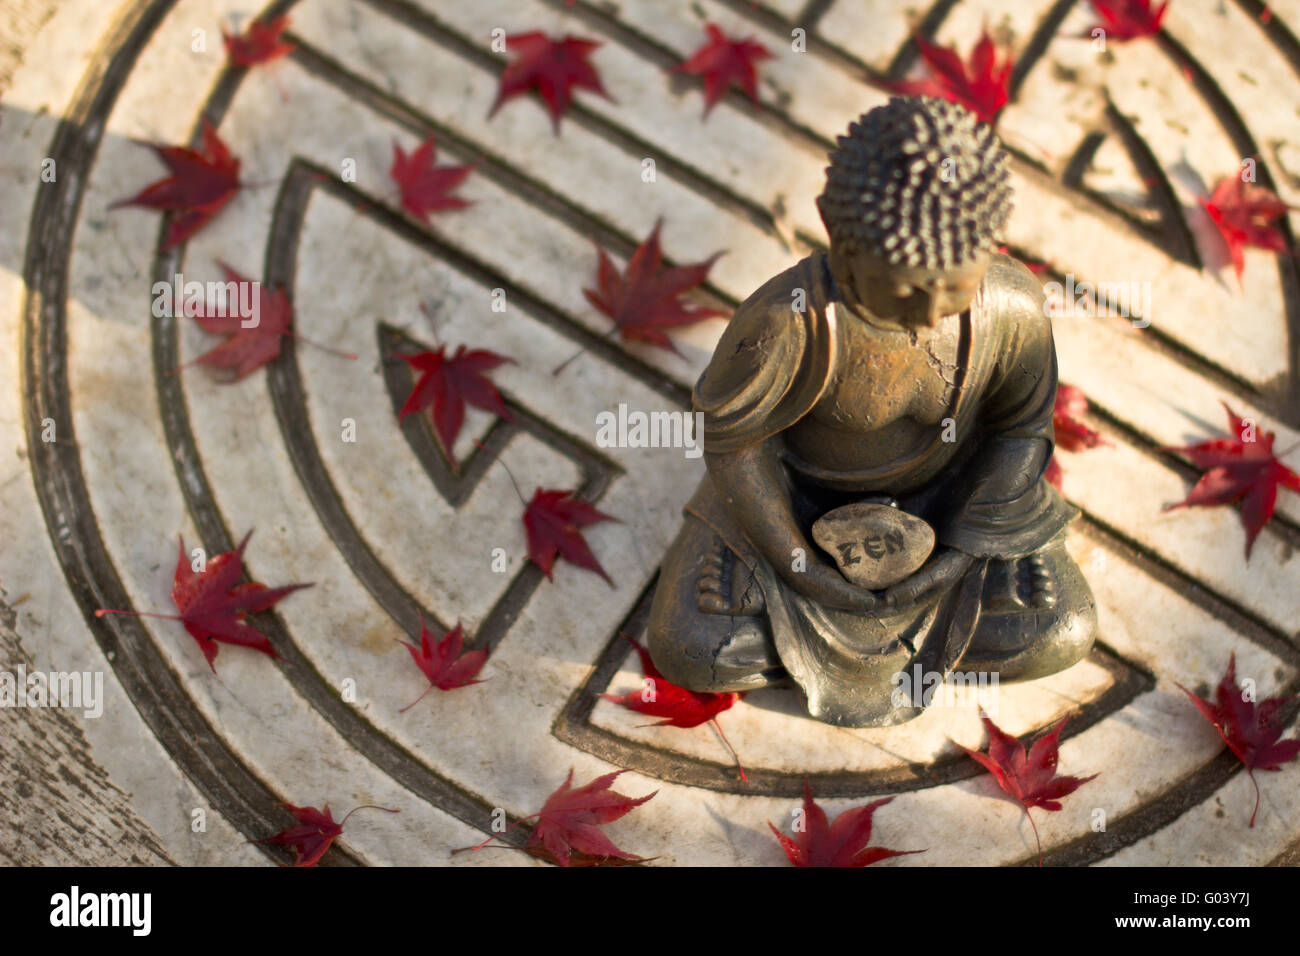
{"x":909,"y":366}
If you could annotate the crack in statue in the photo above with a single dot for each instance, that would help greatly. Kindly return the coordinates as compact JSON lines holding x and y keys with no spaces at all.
{"x":829,"y":388}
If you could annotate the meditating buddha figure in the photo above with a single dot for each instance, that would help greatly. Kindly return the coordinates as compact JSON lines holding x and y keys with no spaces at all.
{"x":909,"y":366}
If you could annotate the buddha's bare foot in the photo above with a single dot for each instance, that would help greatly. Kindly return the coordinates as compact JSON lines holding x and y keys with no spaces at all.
{"x":726,"y":586}
{"x":1039,"y":617}
{"x":706,"y":630}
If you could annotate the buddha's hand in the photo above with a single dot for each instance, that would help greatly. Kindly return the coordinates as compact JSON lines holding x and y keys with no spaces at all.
{"x":944,"y":568}
{"x":825,"y":585}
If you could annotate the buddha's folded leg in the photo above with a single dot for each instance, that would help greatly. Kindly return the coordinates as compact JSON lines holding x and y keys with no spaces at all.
{"x":695,"y":639}
{"x":1038,"y":616}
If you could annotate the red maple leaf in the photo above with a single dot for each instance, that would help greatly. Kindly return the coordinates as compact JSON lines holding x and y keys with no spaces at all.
{"x":554,"y":67}
{"x":568,"y":831}
{"x":1031,"y":779}
{"x":570,"y":820}
{"x":1245,"y":214}
{"x":201,"y":182}
{"x":213,"y":605}
{"x":315,"y":832}
{"x":1071,"y":433}
{"x":443,"y":663}
{"x":645,"y":299}
{"x":981,"y":87}
{"x":1053,"y":473}
{"x":425,"y":187}
{"x":680,"y":707}
{"x":259,"y":43}
{"x":1251,"y":730}
{"x":552,"y":521}
{"x":446,"y":384}
{"x":1128,"y":19}
{"x":247,"y":348}
{"x":1036,"y":266}
{"x":250,"y":348}
{"x":1242,"y":468}
{"x":842,"y":843}
{"x":723,"y":61}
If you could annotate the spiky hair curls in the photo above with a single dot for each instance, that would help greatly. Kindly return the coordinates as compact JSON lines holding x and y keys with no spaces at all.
{"x":919,"y":182}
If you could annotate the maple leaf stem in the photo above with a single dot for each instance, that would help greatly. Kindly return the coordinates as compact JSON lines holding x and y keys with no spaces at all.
{"x":475,"y":849}
{"x":485,"y":846}
{"x":366,"y":806}
{"x":1251,"y":773}
{"x":1037,"y":842}
{"x":727,"y":743}
{"x":578,"y":354}
{"x":165,"y":617}
{"x":417,"y":700}
{"x":433,"y":323}
{"x":1018,"y":139}
{"x":568,"y":361}
{"x":509,"y":473}
{"x":323,"y":348}
{"x":180,"y":368}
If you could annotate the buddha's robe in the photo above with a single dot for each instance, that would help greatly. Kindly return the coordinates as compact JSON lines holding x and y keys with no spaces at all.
{"x":982,"y":491}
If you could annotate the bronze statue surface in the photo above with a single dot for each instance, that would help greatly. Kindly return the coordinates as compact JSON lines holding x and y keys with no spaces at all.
{"x":910,"y":365}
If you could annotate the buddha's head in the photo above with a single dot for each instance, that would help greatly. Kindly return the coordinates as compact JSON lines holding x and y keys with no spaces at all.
{"x":916,"y":195}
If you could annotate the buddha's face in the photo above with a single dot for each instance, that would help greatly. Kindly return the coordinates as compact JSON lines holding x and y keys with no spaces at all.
{"x":912,"y":296}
